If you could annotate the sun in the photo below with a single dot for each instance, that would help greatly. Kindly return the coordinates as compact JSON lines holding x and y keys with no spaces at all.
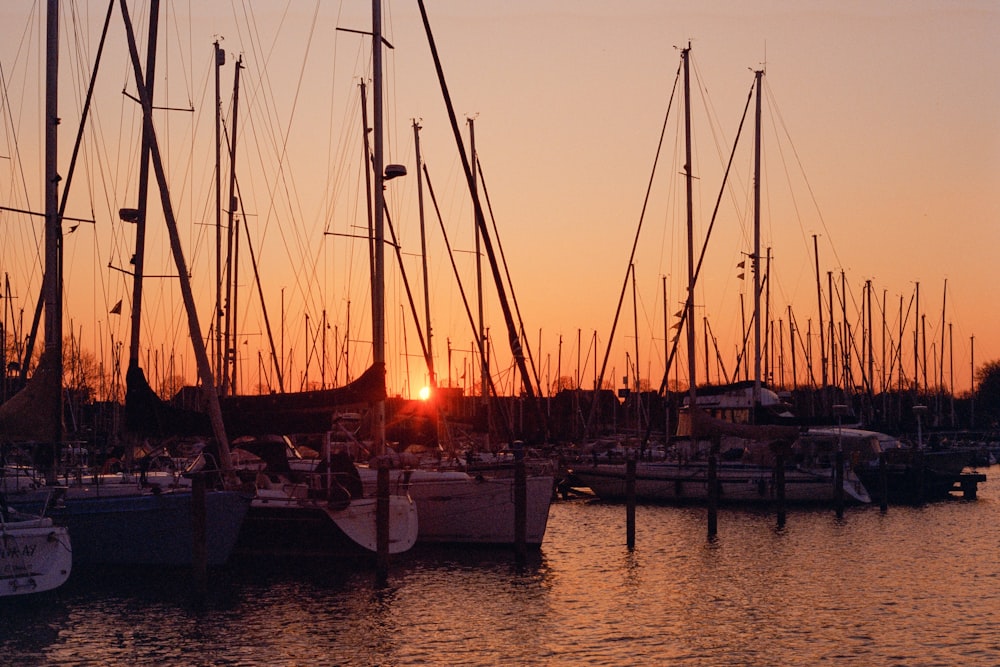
{"x":424,"y":393}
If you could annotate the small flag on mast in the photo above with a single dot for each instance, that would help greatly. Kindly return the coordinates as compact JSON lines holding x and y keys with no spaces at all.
{"x":117,"y":310}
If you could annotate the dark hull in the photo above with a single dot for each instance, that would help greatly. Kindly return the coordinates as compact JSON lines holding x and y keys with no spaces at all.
{"x":295,"y":531}
{"x":915,"y":481}
{"x":147,"y":528}
{"x":286,"y":526}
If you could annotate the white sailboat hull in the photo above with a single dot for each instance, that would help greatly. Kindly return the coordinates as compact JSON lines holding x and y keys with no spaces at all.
{"x":35,"y":556}
{"x":282,"y":522}
{"x":455,"y":507}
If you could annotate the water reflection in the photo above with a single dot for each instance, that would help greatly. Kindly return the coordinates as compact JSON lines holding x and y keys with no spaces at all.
{"x":912,"y":586}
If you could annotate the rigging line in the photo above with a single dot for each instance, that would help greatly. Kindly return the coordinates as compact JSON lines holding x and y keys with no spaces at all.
{"x":697,"y":270}
{"x":513,"y":338}
{"x":184,"y":67}
{"x":810,"y":371}
{"x":772,"y":111}
{"x":260,"y":293}
{"x":715,"y":211}
{"x":458,"y":280}
{"x":812,"y":194}
{"x":16,"y":157}
{"x":330,"y":172}
{"x":69,"y":176}
{"x":406,"y":282}
{"x":282,"y":179}
{"x":715,"y":128}
{"x":635,"y":245}
{"x":506,"y":268}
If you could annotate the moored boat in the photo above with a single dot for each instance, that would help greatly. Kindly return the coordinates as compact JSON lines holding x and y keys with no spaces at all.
{"x":35,"y":554}
{"x":321,"y":511}
{"x":738,"y":482}
{"x":455,"y":507}
{"x":124,"y":524}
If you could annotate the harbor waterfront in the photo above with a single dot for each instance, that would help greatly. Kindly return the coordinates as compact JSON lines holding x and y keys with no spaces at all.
{"x":912,"y":586}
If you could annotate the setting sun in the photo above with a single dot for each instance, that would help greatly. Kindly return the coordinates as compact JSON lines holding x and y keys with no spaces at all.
{"x":425,"y":393}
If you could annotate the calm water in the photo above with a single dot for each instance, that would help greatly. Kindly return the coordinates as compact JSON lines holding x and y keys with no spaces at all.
{"x":916,"y":586}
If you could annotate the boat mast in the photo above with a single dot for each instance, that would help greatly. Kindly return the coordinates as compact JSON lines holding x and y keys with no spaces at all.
{"x":197,"y":341}
{"x":53,"y":227}
{"x":470,"y":176}
{"x":140,"y":219}
{"x":220,"y":60}
{"x":685,"y":56}
{"x":423,"y":254}
{"x":758,"y":75}
{"x":229,"y":372}
{"x":378,"y":268}
{"x":483,"y":343}
{"x":819,"y":297}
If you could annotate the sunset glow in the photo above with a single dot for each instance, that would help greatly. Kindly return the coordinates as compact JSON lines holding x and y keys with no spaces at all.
{"x":880,"y":158}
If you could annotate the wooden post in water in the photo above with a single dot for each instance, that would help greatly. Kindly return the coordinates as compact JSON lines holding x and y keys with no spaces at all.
{"x":918,"y":456}
{"x":630,"y":466}
{"x":779,"y":481}
{"x":199,"y":534}
{"x":883,"y":484}
{"x":713,"y":488}
{"x":838,"y":481}
{"x":382,"y":524}
{"x":918,"y":470}
{"x":520,"y":503}
{"x":838,"y":473}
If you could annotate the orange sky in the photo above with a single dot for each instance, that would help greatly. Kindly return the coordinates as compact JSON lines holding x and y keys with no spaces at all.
{"x":880,"y":137}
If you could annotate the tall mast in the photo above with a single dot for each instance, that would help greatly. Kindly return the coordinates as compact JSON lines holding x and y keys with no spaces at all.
{"x":366,"y":132}
{"x":139,"y":261}
{"x":53,"y":228}
{"x":819,"y":297}
{"x":194,"y":328}
{"x":512,"y":335}
{"x":229,"y":348}
{"x":220,"y":60}
{"x":916,"y":344}
{"x":483,"y":344}
{"x":378,"y":291}
{"x":758,"y":75}
{"x":423,"y":254}
{"x":685,"y":56}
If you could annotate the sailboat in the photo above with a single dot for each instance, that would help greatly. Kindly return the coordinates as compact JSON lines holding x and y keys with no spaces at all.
{"x":454,"y":506}
{"x":125,"y":523}
{"x":325,"y":511}
{"x":729,"y":419}
{"x":35,"y":554}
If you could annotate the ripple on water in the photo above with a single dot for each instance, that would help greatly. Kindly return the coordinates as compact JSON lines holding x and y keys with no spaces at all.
{"x":915,"y":586}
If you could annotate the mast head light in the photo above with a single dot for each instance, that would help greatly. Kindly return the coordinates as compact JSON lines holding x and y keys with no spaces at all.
{"x":128,"y":214}
{"x":394,"y":170}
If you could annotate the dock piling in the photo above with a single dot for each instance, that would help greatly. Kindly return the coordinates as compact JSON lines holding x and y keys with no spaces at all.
{"x":838,"y":484}
{"x":520,"y":503}
{"x":630,"y":466}
{"x":883,"y":483}
{"x":199,"y":534}
{"x":779,"y":483}
{"x":713,"y":492}
{"x":382,"y":524}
